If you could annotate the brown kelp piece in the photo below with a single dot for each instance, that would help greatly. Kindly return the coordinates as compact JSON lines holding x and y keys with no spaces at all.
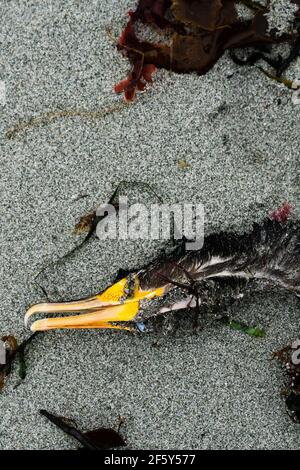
{"x":290,"y":357}
{"x":205,"y":14}
{"x":199,"y":32}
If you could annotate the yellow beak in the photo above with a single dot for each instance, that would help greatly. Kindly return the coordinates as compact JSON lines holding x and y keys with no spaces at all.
{"x":111,"y":309}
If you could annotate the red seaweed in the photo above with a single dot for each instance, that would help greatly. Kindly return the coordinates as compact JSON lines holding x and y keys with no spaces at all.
{"x":136,"y":80}
{"x":282,"y":213}
{"x":200,"y":32}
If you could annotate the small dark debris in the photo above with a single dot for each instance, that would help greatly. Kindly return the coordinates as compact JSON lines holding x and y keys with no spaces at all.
{"x":85,"y":223}
{"x":11,"y":346}
{"x":14,"y":351}
{"x":290,"y":358}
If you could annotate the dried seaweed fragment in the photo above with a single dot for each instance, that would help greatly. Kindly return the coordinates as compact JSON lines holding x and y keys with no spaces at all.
{"x":85,"y":223}
{"x":290,"y":357}
{"x":97,"y":439}
{"x":200,"y":32}
{"x":51,"y":116}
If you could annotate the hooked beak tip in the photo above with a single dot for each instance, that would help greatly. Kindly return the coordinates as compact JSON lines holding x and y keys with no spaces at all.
{"x":106,"y":310}
{"x":31,"y":311}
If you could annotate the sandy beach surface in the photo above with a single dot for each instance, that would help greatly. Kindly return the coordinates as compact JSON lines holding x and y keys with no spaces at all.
{"x":238,"y":133}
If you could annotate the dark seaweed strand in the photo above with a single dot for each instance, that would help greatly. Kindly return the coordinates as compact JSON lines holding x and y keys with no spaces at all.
{"x":96,"y":220}
{"x":21,"y":348}
{"x":294,"y":53}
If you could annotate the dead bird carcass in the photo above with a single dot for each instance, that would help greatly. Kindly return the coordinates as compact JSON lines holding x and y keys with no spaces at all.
{"x":223,"y":270}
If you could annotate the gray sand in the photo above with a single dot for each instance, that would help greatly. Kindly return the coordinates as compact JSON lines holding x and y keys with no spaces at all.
{"x":239,"y":133}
